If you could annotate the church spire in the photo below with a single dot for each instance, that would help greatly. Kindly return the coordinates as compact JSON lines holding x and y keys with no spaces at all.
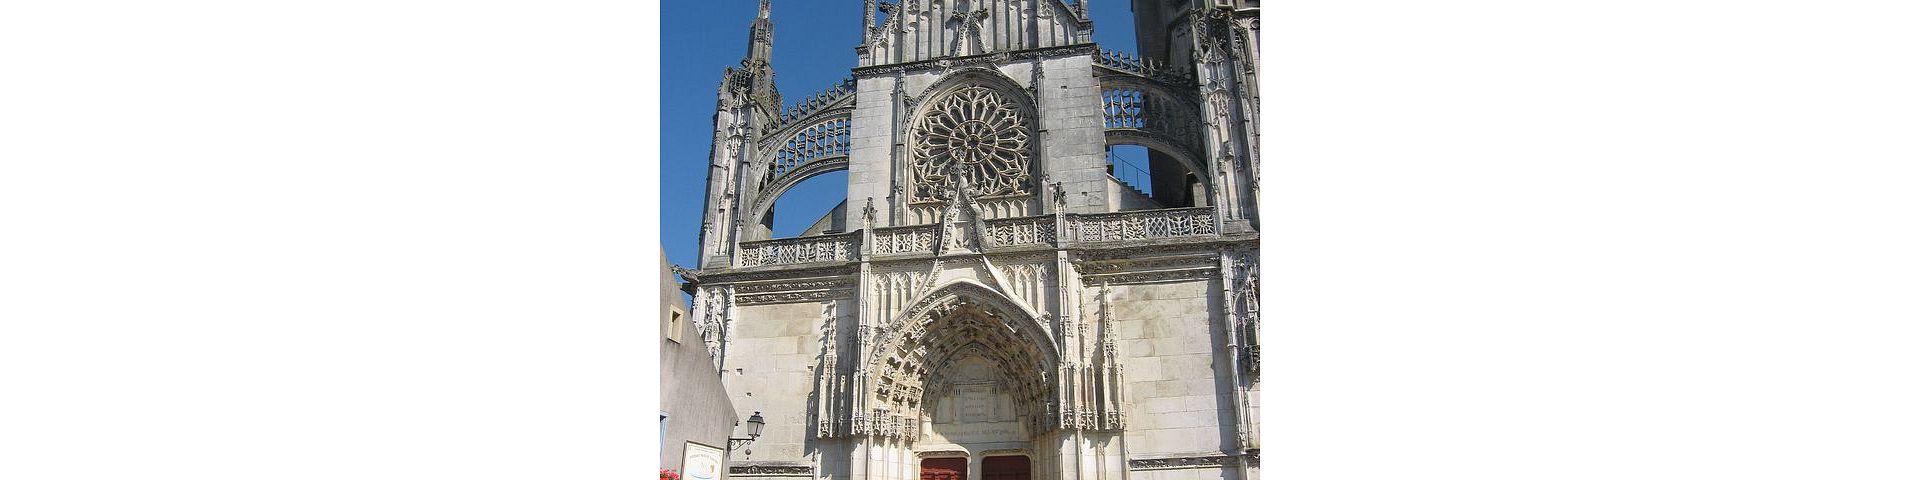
{"x":760,"y":37}
{"x":759,"y":61}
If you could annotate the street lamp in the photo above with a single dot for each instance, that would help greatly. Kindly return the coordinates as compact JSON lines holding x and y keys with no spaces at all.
{"x":754,"y":424}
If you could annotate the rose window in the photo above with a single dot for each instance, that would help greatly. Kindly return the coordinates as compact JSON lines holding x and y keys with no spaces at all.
{"x":977,"y":133}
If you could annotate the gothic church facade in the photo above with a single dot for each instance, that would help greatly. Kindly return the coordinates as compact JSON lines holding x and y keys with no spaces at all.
{"x":991,"y":302}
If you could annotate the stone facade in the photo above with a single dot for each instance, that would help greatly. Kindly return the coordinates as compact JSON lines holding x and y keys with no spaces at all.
{"x":989,"y":289}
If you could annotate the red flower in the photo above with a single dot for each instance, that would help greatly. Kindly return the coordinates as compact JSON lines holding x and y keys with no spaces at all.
{"x":669,"y":474}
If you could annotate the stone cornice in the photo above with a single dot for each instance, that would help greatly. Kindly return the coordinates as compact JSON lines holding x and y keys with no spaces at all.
{"x":794,"y":297}
{"x":823,"y":283}
{"x":1155,"y":276}
{"x":724,"y":275}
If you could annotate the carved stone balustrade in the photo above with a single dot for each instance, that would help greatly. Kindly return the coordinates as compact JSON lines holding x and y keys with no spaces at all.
{"x":910,"y":239}
{"x":786,"y":251}
{"x":1013,"y":232}
{"x":812,"y":104}
{"x":1196,"y":222}
{"x":1144,"y":67}
{"x":1142,"y":225}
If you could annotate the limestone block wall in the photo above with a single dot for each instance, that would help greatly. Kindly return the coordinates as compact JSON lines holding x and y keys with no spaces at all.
{"x":1123,"y":197}
{"x":770,"y":365}
{"x":1178,"y":390}
{"x":1187,"y":474}
{"x":1073,"y":132}
{"x":871,"y":140}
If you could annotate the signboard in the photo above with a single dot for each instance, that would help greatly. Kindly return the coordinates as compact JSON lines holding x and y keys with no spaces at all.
{"x":701,"y":462}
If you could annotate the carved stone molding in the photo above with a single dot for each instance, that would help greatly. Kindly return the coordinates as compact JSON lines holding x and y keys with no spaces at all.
{"x":724,"y":275}
{"x":808,"y":284}
{"x":794,"y":297}
{"x":1093,"y":265}
{"x":1177,"y":463}
{"x":941,"y":453}
{"x":1152,"y":276}
{"x":771,"y":470}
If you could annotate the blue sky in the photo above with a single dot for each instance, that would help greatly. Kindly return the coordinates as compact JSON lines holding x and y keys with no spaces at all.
{"x":813,"y":44}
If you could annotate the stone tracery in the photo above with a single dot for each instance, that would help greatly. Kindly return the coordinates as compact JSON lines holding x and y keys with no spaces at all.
{"x":982,"y":131}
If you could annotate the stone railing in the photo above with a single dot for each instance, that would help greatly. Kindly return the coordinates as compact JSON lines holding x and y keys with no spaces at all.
{"x":1011,"y":232}
{"x":909,"y":239}
{"x":811,"y":104}
{"x":1141,"y":225}
{"x":823,"y":248}
{"x":1003,"y":232}
{"x":1145,"y":67}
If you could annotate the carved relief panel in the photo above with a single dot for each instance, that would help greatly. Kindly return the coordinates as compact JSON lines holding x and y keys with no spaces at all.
{"x":969,"y":404}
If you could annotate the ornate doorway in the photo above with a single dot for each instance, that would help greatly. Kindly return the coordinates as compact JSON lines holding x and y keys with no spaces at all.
{"x":943,"y":469}
{"x":1013,"y":467}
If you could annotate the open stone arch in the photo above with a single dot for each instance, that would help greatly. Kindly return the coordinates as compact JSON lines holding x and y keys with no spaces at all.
{"x":959,"y":324}
{"x":980,"y":120}
{"x":1143,"y":108}
{"x":804,"y":152}
{"x":1179,"y":154}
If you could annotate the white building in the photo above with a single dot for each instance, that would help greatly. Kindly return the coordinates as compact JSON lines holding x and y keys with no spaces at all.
{"x":991,"y":303}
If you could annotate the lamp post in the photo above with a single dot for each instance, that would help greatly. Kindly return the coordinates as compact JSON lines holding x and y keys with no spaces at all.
{"x":754,"y":424}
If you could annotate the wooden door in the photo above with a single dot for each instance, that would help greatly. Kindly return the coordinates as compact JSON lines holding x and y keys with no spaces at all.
{"x":943,"y":469}
{"x":1006,"y":468}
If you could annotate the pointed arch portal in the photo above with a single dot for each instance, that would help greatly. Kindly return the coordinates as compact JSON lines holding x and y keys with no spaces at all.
{"x":965,"y":364}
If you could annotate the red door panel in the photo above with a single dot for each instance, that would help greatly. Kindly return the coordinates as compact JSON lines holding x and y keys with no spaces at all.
{"x":943,"y":469}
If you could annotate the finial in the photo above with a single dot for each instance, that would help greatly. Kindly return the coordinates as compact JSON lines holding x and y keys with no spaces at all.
{"x":866,"y":23}
{"x":766,"y":8}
